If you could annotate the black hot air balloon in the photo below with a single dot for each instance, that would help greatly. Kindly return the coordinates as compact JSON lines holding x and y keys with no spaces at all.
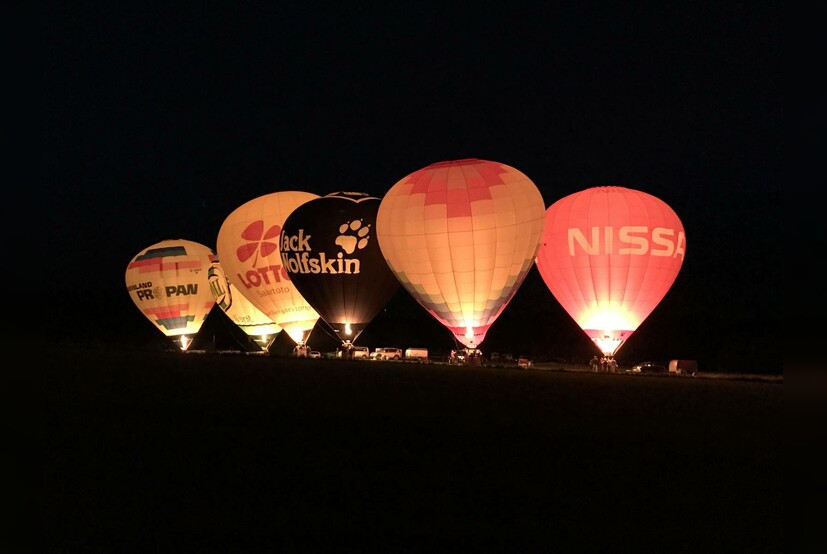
{"x":329,"y":248}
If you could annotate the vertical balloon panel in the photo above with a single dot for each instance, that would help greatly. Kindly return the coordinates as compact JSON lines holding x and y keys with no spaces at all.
{"x":168,"y":282}
{"x":461,"y":237}
{"x":609,"y":255}
{"x":248,"y":247}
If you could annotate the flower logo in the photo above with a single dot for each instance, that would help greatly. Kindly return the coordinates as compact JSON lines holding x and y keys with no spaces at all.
{"x":261,"y":242}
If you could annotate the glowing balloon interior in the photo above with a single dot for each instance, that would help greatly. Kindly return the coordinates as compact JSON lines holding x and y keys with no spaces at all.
{"x":609,"y":255}
{"x":241,"y":311}
{"x":248,"y":247}
{"x":168,"y":282}
{"x":329,"y":248}
{"x":461,"y":237}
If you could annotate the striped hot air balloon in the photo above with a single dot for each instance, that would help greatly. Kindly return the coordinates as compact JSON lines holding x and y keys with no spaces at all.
{"x":168,"y":282}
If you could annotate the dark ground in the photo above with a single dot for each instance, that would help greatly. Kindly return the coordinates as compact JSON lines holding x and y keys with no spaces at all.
{"x":169,"y":452}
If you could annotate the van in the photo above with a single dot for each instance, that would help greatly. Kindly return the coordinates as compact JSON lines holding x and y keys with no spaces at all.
{"x":418,"y":354}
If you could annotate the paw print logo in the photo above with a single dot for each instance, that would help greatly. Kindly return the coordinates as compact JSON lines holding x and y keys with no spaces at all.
{"x":260,"y":241}
{"x":353,"y":235}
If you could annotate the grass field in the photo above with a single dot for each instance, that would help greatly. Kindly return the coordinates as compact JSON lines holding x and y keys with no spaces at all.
{"x":167,"y":452}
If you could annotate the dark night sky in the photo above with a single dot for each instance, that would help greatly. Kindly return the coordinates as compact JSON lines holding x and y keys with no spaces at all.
{"x":161,"y":119}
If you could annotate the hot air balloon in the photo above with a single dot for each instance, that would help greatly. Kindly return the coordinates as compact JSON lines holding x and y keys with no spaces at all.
{"x":168,"y":282}
{"x":260,"y":328}
{"x":329,"y":248}
{"x":461,"y":237}
{"x":609,"y":255}
{"x":248,"y":248}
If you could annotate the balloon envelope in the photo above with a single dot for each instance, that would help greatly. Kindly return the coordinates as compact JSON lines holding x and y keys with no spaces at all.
{"x":168,"y":282}
{"x":241,"y":311}
{"x":248,"y":248}
{"x":329,"y":248}
{"x":609,"y":255}
{"x":461,"y":237}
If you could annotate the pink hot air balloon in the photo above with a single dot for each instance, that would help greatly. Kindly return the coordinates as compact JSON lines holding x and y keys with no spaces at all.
{"x":609,"y":255}
{"x":248,"y":247}
{"x":168,"y":282}
{"x":461,"y":237}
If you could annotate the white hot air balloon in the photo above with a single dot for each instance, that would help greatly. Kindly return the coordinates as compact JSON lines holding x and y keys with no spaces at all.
{"x":248,"y":247}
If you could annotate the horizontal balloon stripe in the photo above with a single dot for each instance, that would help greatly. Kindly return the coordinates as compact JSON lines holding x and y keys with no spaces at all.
{"x":483,"y":310}
{"x":166,"y":311}
{"x":148,"y":266}
{"x":258,"y":329}
{"x":165,"y":252}
{"x":176,"y":322}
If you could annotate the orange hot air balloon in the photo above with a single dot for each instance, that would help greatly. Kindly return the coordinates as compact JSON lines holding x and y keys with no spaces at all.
{"x":248,"y":247}
{"x":461,"y":237}
{"x":168,"y":282}
{"x":241,"y":311}
{"x":609,"y":255}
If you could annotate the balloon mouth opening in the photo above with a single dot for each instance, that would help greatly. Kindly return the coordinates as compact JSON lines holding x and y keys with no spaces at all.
{"x":608,"y":342}
{"x":470,"y":337}
{"x":184,"y":342}
{"x":297,"y":334}
{"x":345,"y":332}
{"x":264,"y":341}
